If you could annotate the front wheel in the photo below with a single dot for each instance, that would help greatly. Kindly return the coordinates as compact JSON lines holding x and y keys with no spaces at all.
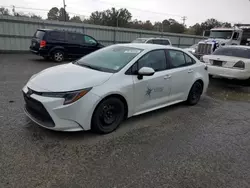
{"x":195,"y":93}
{"x":108,"y":115}
{"x":58,"y":56}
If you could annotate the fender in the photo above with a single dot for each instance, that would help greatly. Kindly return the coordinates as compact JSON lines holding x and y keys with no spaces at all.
{"x":56,"y":48}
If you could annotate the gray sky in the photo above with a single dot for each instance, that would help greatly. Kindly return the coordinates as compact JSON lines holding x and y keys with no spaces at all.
{"x":233,"y":11}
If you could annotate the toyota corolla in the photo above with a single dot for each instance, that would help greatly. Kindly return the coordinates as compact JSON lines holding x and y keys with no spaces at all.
{"x":102,"y":89}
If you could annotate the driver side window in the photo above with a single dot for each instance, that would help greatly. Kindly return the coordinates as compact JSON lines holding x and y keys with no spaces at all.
{"x":89,"y":40}
{"x":154,"y":59}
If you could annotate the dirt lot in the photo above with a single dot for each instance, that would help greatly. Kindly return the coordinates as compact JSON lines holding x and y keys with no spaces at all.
{"x":207,"y":145}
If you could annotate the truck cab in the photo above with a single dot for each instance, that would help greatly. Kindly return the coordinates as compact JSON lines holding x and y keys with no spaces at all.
{"x":218,"y":37}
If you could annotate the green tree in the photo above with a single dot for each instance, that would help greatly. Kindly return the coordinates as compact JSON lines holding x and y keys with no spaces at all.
{"x":111,"y":17}
{"x":4,"y":11}
{"x":53,"y":14}
{"x":36,"y":17}
{"x":76,"y":19}
{"x":63,"y":15}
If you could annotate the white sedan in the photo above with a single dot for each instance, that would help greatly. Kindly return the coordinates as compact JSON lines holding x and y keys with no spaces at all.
{"x":231,"y":62}
{"x":105,"y":87}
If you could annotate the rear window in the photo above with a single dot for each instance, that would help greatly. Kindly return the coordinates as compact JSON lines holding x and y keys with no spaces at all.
{"x":233,"y":52}
{"x":39,"y":34}
{"x":165,"y":42}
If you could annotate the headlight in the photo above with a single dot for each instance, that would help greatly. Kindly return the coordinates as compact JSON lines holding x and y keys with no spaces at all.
{"x":240,"y":65}
{"x":69,"y":97}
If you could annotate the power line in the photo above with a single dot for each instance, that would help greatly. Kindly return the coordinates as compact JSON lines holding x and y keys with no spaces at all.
{"x":184,"y":18}
{"x":141,"y":10}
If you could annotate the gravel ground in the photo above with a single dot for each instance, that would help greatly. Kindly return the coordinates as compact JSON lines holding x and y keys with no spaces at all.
{"x":207,"y":145}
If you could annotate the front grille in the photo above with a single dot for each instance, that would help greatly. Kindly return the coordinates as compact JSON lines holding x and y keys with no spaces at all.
{"x":38,"y":111}
{"x":204,"y":49}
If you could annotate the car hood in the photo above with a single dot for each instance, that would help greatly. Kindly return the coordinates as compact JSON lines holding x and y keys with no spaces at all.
{"x":68,"y":77}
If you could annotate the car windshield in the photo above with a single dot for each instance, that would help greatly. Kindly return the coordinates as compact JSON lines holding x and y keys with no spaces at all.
{"x":139,"y":41}
{"x":109,"y":59}
{"x":233,"y":52}
{"x":39,"y":34}
{"x":221,"y":34}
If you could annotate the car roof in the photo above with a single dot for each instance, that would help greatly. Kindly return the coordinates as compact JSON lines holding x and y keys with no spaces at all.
{"x":144,"y":46}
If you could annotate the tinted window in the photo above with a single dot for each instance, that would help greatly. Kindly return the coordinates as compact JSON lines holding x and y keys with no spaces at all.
{"x":109,"y":59}
{"x":55,"y":35}
{"x":39,"y":34}
{"x":234,"y":52}
{"x":180,"y":59}
{"x":150,"y":41}
{"x":89,"y":40}
{"x":189,"y":60}
{"x":157,"y":41}
{"x":75,"y":38}
{"x":165,"y":42}
{"x":177,"y":58}
{"x":155,"y":59}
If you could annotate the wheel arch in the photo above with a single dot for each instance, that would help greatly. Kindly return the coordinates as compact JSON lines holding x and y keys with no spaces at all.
{"x":116,"y":95}
{"x":56,"y":48}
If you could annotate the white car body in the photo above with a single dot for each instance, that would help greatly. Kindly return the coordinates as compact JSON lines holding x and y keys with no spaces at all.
{"x":164,"y":88}
{"x":227,"y":69}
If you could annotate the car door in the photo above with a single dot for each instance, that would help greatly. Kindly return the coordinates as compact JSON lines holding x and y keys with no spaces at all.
{"x":181,"y":74}
{"x":73,"y":45}
{"x":151,"y":91}
{"x":89,"y":44}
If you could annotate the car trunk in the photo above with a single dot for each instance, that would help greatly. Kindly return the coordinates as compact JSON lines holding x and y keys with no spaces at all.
{"x":36,"y":39}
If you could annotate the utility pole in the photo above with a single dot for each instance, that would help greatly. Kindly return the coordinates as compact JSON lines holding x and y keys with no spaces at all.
{"x":13,"y":10}
{"x":64,"y":7}
{"x":184,"y":18}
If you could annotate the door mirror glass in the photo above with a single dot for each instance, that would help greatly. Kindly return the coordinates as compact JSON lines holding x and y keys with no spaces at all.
{"x":146,"y":71}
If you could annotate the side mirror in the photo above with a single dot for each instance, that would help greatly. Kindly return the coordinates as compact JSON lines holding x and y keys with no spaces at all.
{"x":145,"y":71}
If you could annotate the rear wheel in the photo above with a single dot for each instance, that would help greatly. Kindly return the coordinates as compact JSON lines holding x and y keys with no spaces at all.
{"x":195,"y":93}
{"x":58,"y":56}
{"x":108,"y":115}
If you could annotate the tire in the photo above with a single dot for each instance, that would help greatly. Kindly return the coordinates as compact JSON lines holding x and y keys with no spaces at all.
{"x":58,"y":56}
{"x":108,"y":115}
{"x":195,"y":93}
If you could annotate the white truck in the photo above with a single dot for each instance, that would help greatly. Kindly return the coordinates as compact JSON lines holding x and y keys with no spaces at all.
{"x":217,"y":37}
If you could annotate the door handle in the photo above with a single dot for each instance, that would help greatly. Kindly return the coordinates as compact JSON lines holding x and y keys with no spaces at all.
{"x":167,"y":77}
{"x":190,"y":71}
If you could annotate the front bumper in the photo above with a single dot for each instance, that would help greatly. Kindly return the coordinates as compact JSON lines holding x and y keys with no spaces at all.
{"x":73,"y":117}
{"x":228,"y":72}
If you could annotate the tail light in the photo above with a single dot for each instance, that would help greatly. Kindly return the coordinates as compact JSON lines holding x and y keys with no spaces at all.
{"x":240,"y":65}
{"x":42,"y":43}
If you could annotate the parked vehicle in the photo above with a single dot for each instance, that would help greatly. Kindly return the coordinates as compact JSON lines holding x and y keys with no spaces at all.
{"x":160,"y":41}
{"x":230,"y":62}
{"x":58,"y":45}
{"x":218,"y":37}
{"x":192,"y":49}
{"x":103,"y":88}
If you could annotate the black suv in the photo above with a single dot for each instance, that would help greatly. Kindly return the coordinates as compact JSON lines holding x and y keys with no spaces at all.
{"x":59,"y":45}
